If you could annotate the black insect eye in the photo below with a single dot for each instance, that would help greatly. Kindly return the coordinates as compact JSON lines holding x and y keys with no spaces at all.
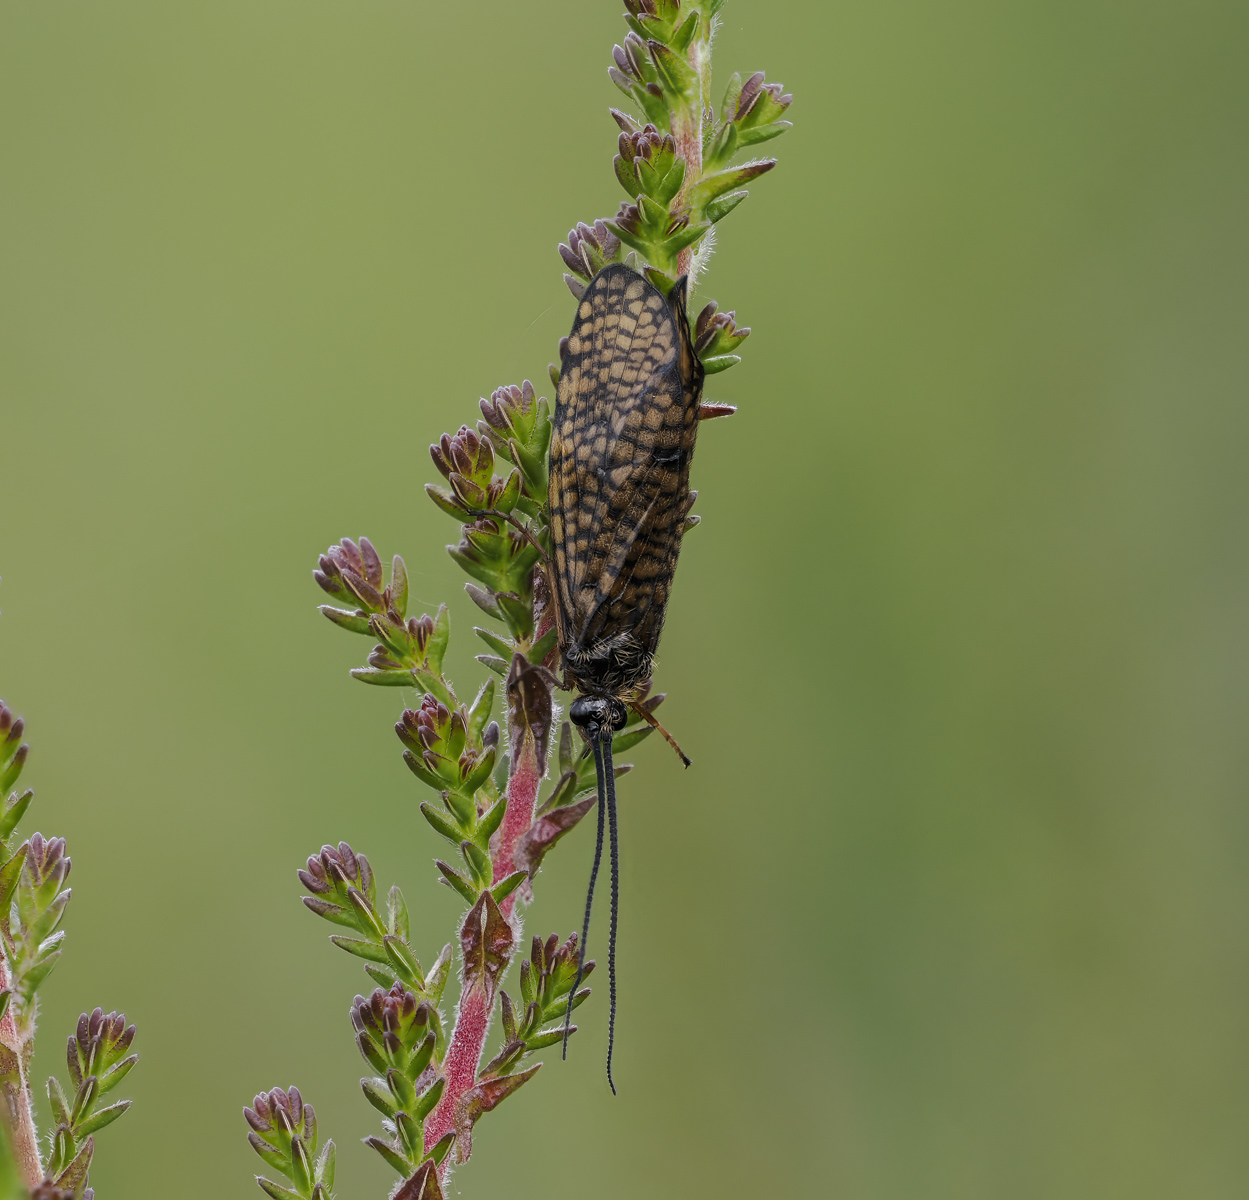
{"x":584,"y":711}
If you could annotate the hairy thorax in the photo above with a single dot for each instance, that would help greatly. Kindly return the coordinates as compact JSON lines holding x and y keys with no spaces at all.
{"x":612,"y":666}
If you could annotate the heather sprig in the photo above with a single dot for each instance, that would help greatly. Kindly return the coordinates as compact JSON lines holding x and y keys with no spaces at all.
{"x":675,"y":160}
{"x":284,"y":1134}
{"x":33,"y":900}
{"x":506,"y":778}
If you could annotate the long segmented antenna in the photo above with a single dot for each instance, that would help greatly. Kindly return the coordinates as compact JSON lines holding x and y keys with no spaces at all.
{"x":589,"y":896}
{"x":609,"y":775}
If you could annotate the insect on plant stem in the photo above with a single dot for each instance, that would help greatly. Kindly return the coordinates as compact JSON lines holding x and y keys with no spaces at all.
{"x":623,"y":435}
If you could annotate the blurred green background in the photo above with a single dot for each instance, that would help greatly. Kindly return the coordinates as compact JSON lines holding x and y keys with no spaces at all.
{"x":953,"y":902}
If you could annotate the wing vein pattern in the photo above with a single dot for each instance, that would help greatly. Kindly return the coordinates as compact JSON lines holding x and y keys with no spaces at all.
{"x":625,"y":424}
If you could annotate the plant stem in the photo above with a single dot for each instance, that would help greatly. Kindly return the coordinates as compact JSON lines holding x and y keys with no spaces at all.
{"x":687,"y":132}
{"x":16,"y":1111}
{"x":522,"y":796}
{"x":472,"y":1023}
{"x":476,"y":1008}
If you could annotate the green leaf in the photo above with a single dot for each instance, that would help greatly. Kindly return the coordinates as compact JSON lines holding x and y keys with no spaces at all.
{"x":479,"y":775}
{"x":399,"y":587}
{"x":719,"y":182}
{"x":540,"y":1041}
{"x":434,"y":685}
{"x":397,"y":913}
{"x":325,"y":1165}
{"x":680,"y":40}
{"x":410,"y":1134}
{"x":366,"y":918}
{"x":418,"y":768}
{"x":563,"y":793}
{"x":105,"y":1116}
{"x":447,"y":501}
{"x":666,"y":189}
{"x":420,"y":1060}
{"x":720,"y":362}
{"x":518,"y":614}
{"x":506,"y":887}
{"x":56,"y":1097}
{"x":32,"y":979}
{"x":75,"y":1175}
{"x":493,"y":662}
{"x":379,"y":1096}
{"x":501,"y":647}
{"x":677,"y":242}
{"x":484,"y":600}
{"x":401,"y":1165}
{"x":404,"y":962}
{"x":728,"y":110}
{"x":463,"y":808}
{"x":507,"y":499}
{"x":431,"y":1097}
{"x":384,"y":979}
{"x":84,"y":1100}
{"x":676,"y":75}
{"x":276,"y":1191}
{"x":720,"y":208}
{"x":112,"y":1077}
{"x":532,"y":466}
{"x":50,"y":918}
{"x":491,"y":819}
{"x":479,"y":714}
{"x":457,"y":881}
{"x":478,"y":862}
{"x":436,"y":648}
{"x":14,"y":812}
{"x":543,"y":646}
{"x":763,"y":133}
{"x":441,"y":1147}
{"x":438,"y":975}
{"x":383,"y":676}
{"x":630,"y":738}
{"x":354,"y":622}
{"x":362,"y":949}
{"x":10,"y":874}
{"x":501,"y":772}
{"x":440,"y":823}
{"x":301,"y":1166}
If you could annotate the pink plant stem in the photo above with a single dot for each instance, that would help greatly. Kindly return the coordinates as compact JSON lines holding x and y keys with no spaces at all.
{"x":472,"y":1023}
{"x":522,"y":796}
{"x":15,"y":1095}
{"x":472,"y":1020}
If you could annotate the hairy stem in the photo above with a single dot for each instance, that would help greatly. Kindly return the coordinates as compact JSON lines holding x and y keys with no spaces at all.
{"x":476,"y":1008}
{"x":687,"y":131}
{"x":522,"y":796}
{"x":15,"y":1108}
{"x":472,"y":1023}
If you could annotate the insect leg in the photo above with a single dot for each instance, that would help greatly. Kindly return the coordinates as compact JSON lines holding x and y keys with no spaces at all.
{"x":650,"y":720}
{"x":609,"y":775}
{"x":589,"y":896}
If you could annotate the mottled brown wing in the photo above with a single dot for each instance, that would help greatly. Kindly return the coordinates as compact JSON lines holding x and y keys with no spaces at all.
{"x":625,"y":422}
